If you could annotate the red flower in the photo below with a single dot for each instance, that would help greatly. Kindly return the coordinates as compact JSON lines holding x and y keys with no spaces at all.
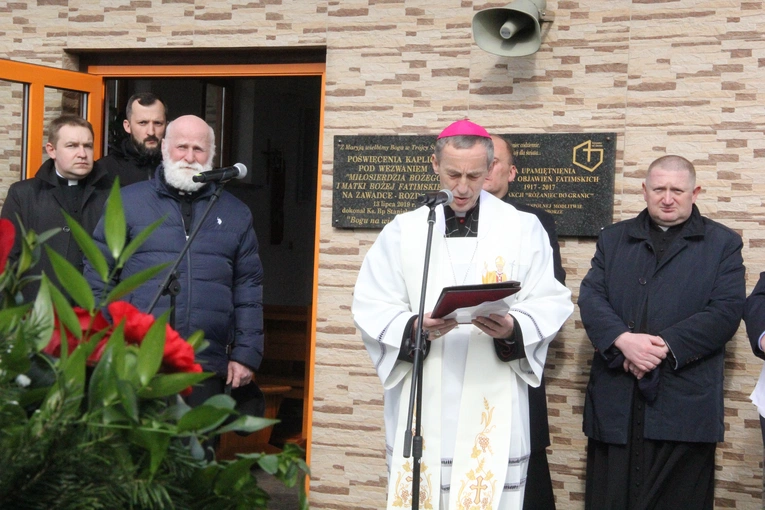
{"x":99,"y":323}
{"x":7,"y":238}
{"x":178,"y":355}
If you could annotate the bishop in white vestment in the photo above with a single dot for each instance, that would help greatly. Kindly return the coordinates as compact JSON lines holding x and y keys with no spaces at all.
{"x":475,"y":407}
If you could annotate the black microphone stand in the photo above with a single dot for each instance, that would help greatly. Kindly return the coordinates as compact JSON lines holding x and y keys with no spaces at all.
{"x":171,"y":285}
{"x":415,"y":394}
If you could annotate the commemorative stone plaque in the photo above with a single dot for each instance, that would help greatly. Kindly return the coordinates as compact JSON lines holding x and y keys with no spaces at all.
{"x":570,"y":175}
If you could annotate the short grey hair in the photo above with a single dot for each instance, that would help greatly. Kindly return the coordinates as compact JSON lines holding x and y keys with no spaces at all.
{"x":465,"y":142}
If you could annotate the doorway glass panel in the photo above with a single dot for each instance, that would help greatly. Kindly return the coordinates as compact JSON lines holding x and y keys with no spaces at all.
{"x":59,"y":102}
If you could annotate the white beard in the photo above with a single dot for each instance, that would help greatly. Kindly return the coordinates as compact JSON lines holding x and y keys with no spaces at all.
{"x":178,"y":174}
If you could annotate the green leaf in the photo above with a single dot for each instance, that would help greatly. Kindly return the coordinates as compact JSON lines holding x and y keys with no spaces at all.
{"x":164,"y":385}
{"x":32,"y":396}
{"x":88,"y":247}
{"x":269,"y":464}
{"x":203,"y":479}
{"x":222,"y":401}
{"x":203,"y":418}
{"x":128,"y":399}
{"x":151,"y":350}
{"x":134,"y":281}
{"x":234,"y":475}
{"x":27,"y":248}
{"x":12,"y":414}
{"x":10,"y":317}
{"x":176,"y":412}
{"x":15,"y":358}
{"x":42,"y":316}
{"x":247,"y":424}
{"x":66,"y":315}
{"x":131,"y":365}
{"x":43,"y":238}
{"x":102,"y":390}
{"x":155,"y":441}
{"x":115,"y":415}
{"x":138,"y":241}
{"x":196,"y":340}
{"x":74,"y":366}
{"x":117,"y":342}
{"x":76,"y":284}
{"x":115,"y":230}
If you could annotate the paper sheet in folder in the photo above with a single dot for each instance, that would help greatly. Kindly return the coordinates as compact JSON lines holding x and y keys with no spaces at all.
{"x":466,"y":302}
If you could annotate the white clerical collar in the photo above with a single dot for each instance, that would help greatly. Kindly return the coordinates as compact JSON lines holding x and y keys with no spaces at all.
{"x":70,"y":182}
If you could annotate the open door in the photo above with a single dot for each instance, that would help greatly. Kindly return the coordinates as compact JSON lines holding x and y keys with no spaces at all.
{"x":33,"y":95}
{"x":252,"y":109}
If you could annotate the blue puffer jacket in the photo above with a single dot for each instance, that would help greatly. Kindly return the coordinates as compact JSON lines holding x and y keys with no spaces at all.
{"x":220,"y":277}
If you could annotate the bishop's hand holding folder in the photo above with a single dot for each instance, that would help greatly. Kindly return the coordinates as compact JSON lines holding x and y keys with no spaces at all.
{"x":464,"y":303}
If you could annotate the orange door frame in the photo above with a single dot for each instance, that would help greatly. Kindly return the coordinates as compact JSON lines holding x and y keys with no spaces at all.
{"x":36,"y":78}
{"x":253,"y":70}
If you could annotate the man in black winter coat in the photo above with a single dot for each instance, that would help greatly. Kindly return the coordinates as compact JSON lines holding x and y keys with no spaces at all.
{"x":69,"y":182}
{"x":664,"y":295}
{"x":538,"y":491}
{"x":135,"y":158}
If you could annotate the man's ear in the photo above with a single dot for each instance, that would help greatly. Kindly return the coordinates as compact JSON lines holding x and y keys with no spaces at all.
{"x":512,"y":173}
{"x":126,"y":126}
{"x":51,"y":150}
{"x":433,"y":162}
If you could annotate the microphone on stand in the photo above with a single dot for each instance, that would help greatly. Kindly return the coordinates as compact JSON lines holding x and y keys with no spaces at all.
{"x":435,"y":198}
{"x":237,"y":171}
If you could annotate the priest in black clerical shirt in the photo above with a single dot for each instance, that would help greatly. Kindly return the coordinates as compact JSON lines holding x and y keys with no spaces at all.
{"x":68,"y":182}
{"x":664,"y":295}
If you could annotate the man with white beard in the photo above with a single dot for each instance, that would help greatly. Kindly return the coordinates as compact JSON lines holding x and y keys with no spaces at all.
{"x":220,"y":276}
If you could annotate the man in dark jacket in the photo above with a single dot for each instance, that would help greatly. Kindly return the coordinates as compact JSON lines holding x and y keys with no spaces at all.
{"x":67,"y":182}
{"x":664,"y":294}
{"x":754,"y":316}
{"x":135,"y":158}
{"x":221,"y":275}
{"x":539,"y":491}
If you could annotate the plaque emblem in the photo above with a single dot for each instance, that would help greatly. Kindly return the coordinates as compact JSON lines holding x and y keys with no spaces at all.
{"x":588,"y":155}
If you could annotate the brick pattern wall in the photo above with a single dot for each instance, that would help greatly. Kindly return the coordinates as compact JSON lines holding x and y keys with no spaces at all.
{"x":669,"y":76}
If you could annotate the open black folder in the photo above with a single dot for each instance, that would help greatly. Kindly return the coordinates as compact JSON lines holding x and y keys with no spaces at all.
{"x":465,"y":302}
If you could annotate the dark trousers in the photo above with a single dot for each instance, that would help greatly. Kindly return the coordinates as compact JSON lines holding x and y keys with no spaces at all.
{"x":538,"y":494}
{"x":204,"y":390}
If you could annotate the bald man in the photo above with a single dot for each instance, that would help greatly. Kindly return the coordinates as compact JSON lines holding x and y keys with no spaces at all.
{"x":665,"y":293}
{"x":539,"y":491}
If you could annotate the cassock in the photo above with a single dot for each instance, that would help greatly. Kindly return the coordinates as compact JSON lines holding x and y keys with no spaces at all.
{"x":475,"y":408}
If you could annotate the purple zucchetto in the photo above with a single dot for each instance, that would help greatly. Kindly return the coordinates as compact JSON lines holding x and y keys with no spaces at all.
{"x":464,"y":128}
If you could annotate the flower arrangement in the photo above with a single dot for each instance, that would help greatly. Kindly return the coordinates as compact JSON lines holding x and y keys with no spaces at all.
{"x":90,"y":412}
